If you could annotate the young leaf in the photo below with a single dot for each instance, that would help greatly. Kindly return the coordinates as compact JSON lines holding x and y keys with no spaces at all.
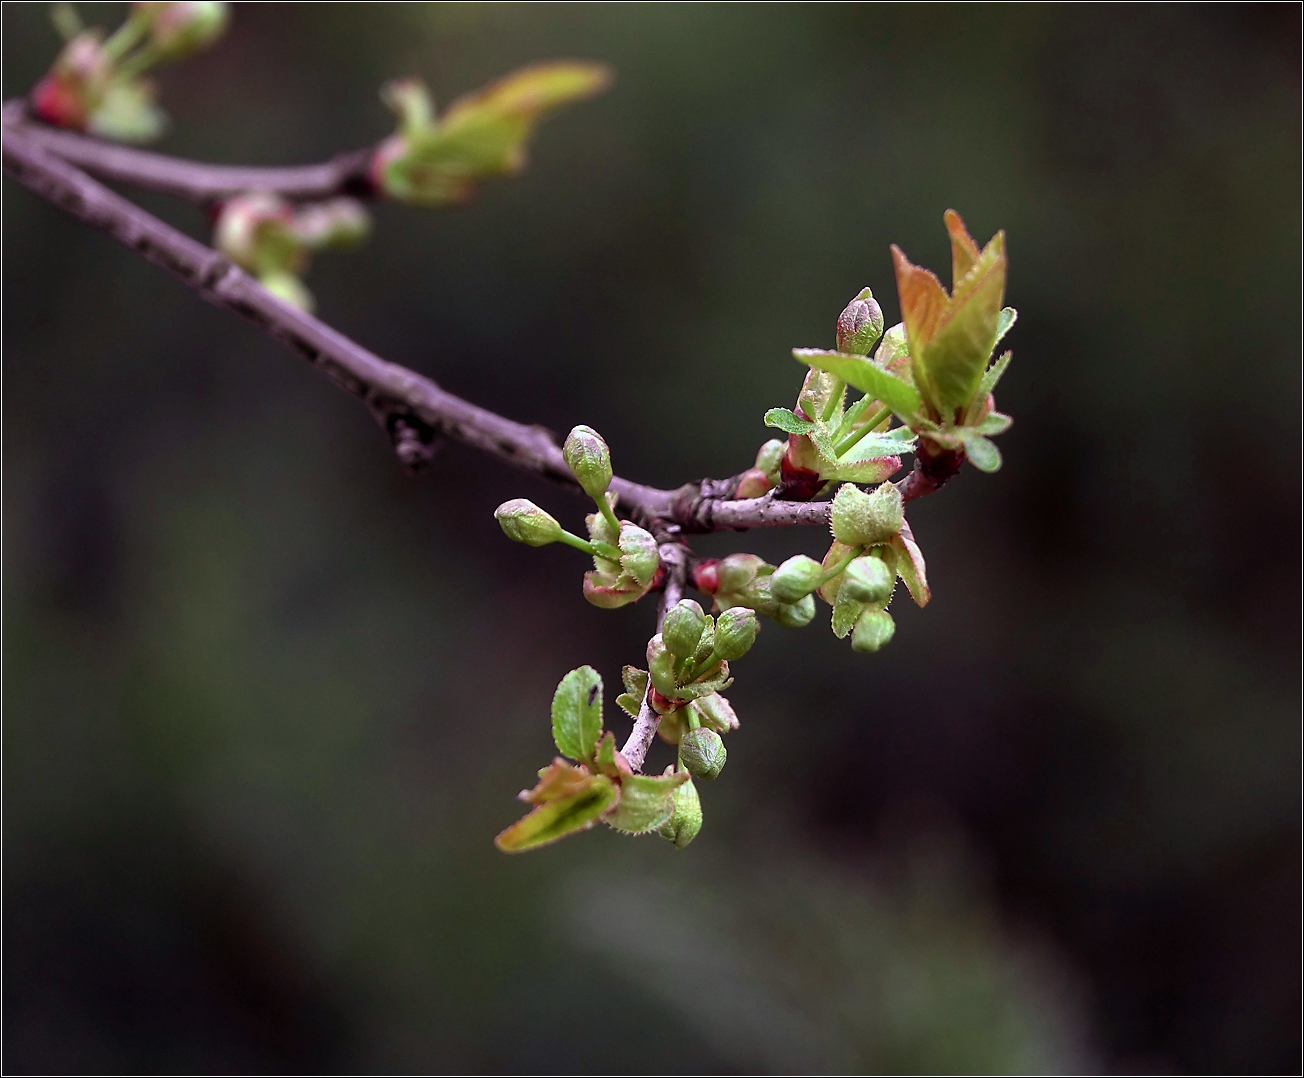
{"x":994,"y":372}
{"x":861,"y":519}
{"x":910,"y":565}
{"x":1006,"y":320}
{"x":994,"y":423}
{"x":562,"y":817}
{"x":645,"y":802}
{"x":559,"y":779}
{"x":860,"y":372}
{"x":846,"y":612}
{"x":982,"y":454}
{"x":787,"y":420}
{"x":577,"y":713}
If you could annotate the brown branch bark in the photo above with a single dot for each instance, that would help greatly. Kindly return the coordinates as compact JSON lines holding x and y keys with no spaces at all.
{"x":412,"y":409}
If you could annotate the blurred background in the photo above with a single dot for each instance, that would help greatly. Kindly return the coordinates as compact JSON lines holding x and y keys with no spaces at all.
{"x":269,"y":698}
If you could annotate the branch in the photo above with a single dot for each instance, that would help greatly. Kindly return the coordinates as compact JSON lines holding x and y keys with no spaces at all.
{"x":192,"y":180}
{"x":409,"y":406}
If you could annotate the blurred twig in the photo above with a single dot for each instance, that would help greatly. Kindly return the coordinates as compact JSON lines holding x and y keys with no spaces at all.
{"x":406,"y":404}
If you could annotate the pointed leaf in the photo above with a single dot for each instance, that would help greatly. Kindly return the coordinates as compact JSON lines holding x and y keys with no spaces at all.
{"x":1007,"y":319}
{"x":787,"y":420}
{"x":860,"y":372}
{"x":561,"y":817}
{"x":923,"y":301}
{"x":995,"y":371}
{"x":645,"y":802}
{"x":910,"y":565}
{"x":956,"y":357}
{"x":964,"y":252}
{"x":577,"y":713}
{"x":635,"y":680}
{"x":561,"y":778}
{"x":837,"y":553}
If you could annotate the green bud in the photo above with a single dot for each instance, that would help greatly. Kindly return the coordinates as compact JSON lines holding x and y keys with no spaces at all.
{"x":338,"y":222}
{"x":524,"y":522}
{"x":795,"y":615}
{"x":702,"y":753}
{"x":682,"y":628}
{"x":769,"y":456}
{"x":686,"y":822}
{"x":868,"y":580}
{"x":735,"y":632}
{"x":737,"y":571}
{"x":861,"y":519}
{"x":860,"y":325}
{"x":182,"y":28}
{"x":796,"y":578}
{"x":588,"y":457}
{"x":873,"y":629}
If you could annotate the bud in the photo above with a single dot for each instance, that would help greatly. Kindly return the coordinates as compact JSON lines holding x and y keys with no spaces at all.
{"x":795,"y":615}
{"x":682,"y":628}
{"x":686,"y":822}
{"x":588,"y":457}
{"x":753,"y":484}
{"x":179,"y":29}
{"x":796,"y":578}
{"x":737,"y":571}
{"x":873,"y":629}
{"x":868,"y":580}
{"x":524,"y":522}
{"x":75,"y":85}
{"x":860,"y":324}
{"x":769,"y":455}
{"x":735,"y":632}
{"x":861,"y":519}
{"x":338,"y":222}
{"x":702,"y":753}
{"x":715,"y":713}
{"x":661,"y":666}
{"x":704,"y":576}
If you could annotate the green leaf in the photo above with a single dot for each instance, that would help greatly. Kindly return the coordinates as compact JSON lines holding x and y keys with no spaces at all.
{"x":635,"y":680}
{"x":858,"y":371}
{"x":562,"y":817}
{"x":846,"y":612}
{"x":1008,"y":317}
{"x":577,"y":713}
{"x":785,"y":419}
{"x":982,"y":454}
{"x":955,"y":356}
{"x":630,"y":703}
{"x":645,"y":802}
{"x":994,"y":373}
{"x":878,"y":446}
{"x":994,"y":423}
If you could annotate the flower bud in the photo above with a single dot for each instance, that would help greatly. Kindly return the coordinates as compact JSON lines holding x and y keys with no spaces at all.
{"x":795,"y":615}
{"x":75,"y":85}
{"x":682,"y":628}
{"x":179,"y":29}
{"x":704,"y":576}
{"x":737,"y":571}
{"x":524,"y":522}
{"x":661,"y":666}
{"x":868,"y":580}
{"x":769,"y":455}
{"x":735,"y":632}
{"x":860,"y":324}
{"x":753,"y":484}
{"x":796,"y":578}
{"x":702,"y":753}
{"x":873,"y":629}
{"x":338,"y":222}
{"x":683,"y":826}
{"x":588,"y":457}
{"x":861,"y":519}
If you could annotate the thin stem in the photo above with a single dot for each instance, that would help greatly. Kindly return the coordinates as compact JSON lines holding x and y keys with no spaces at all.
{"x":841,"y":566}
{"x":674,"y":558}
{"x":66,"y":20}
{"x":126,"y":35}
{"x":604,"y":507}
{"x":140,"y":62}
{"x":835,"y":398}
{"x":601,"y":550}
{"x":853,"y":413}
{"x":855,"y":436}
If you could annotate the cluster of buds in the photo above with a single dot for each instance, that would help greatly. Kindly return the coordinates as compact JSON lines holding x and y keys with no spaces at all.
{"x":96,"y":85}
{"x":746,"y":580}
{"x":436,"y":161}
{"x":599,"y":786}
{"x":625,"y":560}
{"x":273,"y":238}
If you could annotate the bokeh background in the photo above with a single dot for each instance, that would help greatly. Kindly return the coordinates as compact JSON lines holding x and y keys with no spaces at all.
{"x":268,"y":698}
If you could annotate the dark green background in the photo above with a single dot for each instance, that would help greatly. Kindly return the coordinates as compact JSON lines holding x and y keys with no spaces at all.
{"x":268,"y":698}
